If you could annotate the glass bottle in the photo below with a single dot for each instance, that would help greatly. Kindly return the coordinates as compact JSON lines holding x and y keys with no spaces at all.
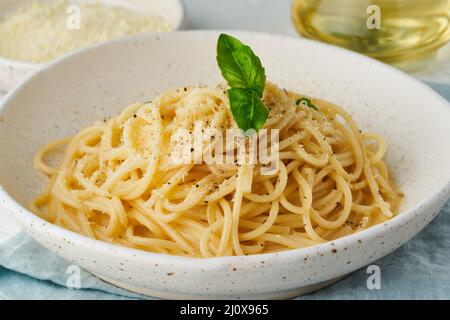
{"x":389,"y":30}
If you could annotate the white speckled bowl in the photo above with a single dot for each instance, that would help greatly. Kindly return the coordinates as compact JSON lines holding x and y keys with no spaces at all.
{"x":13,"y":72}
{"x":100,"y":81}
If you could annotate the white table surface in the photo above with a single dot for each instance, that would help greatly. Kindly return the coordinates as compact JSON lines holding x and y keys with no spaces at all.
{"x":256,"y":15}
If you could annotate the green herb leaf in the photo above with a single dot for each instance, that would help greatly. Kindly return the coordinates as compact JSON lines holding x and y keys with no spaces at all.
{"x":248,"y":110}
{"x":307,"y":102}
{"x":246,"y":76}
{"x":239,"y":65}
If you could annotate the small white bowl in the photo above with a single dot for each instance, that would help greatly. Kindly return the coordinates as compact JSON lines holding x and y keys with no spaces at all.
{"x":100,"y":81}
{"x":12,"y":72}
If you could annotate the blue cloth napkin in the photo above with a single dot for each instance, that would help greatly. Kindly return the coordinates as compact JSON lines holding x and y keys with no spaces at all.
{"x":418,"y":270}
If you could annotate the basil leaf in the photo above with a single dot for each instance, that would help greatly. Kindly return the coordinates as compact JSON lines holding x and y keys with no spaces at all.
{"x":306,"y":102}
{"x":239,"y":65}
{"x":246,"y":77}
{"x":248,"y":110}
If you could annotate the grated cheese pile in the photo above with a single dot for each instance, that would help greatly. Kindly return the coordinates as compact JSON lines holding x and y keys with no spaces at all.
{"x":38,"y":32}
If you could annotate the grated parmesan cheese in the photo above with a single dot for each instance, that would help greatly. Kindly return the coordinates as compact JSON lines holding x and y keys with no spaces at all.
{"x":38,"y":32}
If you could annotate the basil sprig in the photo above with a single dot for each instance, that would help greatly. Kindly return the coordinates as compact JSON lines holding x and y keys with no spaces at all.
{"x":246,"y":76}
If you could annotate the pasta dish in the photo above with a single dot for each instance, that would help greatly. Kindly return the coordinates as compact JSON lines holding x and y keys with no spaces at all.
{"x":117,"y":180}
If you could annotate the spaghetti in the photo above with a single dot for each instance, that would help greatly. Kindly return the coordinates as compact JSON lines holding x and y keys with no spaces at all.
{"x":116,"y":181}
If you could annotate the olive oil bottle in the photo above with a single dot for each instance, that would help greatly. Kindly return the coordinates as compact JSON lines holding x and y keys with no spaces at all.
{"x":394,"y":31}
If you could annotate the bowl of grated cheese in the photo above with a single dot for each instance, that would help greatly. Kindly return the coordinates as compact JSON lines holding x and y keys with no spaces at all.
{"x":34,"y":33}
